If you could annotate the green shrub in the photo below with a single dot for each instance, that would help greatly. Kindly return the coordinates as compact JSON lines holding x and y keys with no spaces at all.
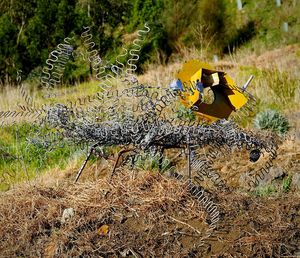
{"x":185,"y":114}
{"x":271,"y":120}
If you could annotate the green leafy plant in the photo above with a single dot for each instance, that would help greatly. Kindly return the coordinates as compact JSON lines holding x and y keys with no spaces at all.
{"x":152,"y":163}
{"x":286,"y":183}
{"x":186,"y":114}
{"x":271,"y":120}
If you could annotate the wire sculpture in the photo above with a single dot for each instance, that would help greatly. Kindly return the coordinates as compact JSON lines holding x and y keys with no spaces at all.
{"x":142,"y":122}
{"x":56,"y":62}
{"x":149,"y":130}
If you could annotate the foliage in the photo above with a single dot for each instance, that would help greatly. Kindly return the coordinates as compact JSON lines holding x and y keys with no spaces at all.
{"x":30,"y":29}
{"x":7,"y":54}
{"x":152,"y":162}
{"x":277,"y":188}
{"x":273,"y":120}
{"x":286,"y":183}
{"x":145,"y":11}
{"x":212,"y":16}
{"x":27,"y":150}
{"x":186,"y":114}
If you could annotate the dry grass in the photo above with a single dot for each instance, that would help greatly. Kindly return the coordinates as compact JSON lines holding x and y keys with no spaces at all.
{"x":145,"y":216}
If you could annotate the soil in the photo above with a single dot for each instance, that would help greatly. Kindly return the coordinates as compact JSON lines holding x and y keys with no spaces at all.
{"x":143,"y":214}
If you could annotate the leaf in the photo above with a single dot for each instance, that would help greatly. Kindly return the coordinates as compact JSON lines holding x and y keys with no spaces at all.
{"x":103,"y":230}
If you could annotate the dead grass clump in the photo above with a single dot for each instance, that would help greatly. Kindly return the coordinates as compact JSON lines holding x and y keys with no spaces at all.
{"x":146,"y":216}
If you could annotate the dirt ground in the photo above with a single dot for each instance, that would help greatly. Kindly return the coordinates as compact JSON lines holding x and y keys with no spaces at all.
{"x":143,"y":215}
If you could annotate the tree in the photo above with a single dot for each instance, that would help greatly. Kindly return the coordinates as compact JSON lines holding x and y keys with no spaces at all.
{"x":8,"y":32}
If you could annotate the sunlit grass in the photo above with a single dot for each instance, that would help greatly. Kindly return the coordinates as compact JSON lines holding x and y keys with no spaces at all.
{"x":273,"y":88}
{"x":25,"y":155}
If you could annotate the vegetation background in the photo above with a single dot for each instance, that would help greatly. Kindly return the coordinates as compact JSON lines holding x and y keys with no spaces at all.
{"x":30,"y":28}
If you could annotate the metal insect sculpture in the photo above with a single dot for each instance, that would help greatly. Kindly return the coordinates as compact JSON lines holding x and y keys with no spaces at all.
{"x":148,"y":130}
{"x":135,"y":117}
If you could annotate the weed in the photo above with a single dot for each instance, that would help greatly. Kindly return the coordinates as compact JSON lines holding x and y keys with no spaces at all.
{"x":152,"y":162}
{"x":286,"y":183}
{"x":273,"y":120}
{"x":186,"y":114}
{"x":24,"y":153}
{"x":264,"y":191}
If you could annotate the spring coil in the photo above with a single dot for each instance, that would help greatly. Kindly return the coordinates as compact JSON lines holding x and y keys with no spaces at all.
{"x":94,"y":58}
{"x":118,"y":68}
{"x":56,"y":62}
{"x":134,"y":56}
{"x":220,"y":137}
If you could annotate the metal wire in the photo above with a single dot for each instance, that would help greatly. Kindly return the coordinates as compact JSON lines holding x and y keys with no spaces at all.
{"x":56,"y":62}
{"x":134,"y":56}
{"x":110,"y":117}
{"x":149,"y":129}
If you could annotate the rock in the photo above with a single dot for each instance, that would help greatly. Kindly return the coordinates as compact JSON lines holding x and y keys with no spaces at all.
{"x":296,"y":181}
{"x":67,"y":215}
{"x":273,"y":174}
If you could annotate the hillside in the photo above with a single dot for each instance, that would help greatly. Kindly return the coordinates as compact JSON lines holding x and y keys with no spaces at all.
{"x":143,"y":216}
{"x":82,"y":81}
{"x":142,"y":213}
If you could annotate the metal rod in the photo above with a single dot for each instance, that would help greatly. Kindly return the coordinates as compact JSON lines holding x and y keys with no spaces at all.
{"x":189,"y":158}
{"x":83,"y":165}
{"x":121,"y":152}
{"x":247,"y":83}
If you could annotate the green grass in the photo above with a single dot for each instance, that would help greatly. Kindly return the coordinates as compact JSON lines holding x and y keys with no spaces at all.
{"x":257,"y":27}
{"x":273,"y":88}
{"x":24,"y":154}
{"x":268,"y":19}
{"x":286,"y":183}
{"x":151,"y":163}
{"x":279,"y":187}
{"x":264,"y":191}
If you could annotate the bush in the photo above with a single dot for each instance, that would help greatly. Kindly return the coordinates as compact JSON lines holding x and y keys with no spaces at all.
{"x":211,"y":17}
{"x":186,"y":114}
{"x":272,"y":120}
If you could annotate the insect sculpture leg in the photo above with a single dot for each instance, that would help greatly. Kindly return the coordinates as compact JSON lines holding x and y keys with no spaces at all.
{"x":160,"y":161}
{"x":84,"y":163}
{"x":189,"y":158}
{"x":121,"y":152}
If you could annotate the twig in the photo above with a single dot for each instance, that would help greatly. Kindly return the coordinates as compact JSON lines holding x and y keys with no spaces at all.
{"x":181,"y":222}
